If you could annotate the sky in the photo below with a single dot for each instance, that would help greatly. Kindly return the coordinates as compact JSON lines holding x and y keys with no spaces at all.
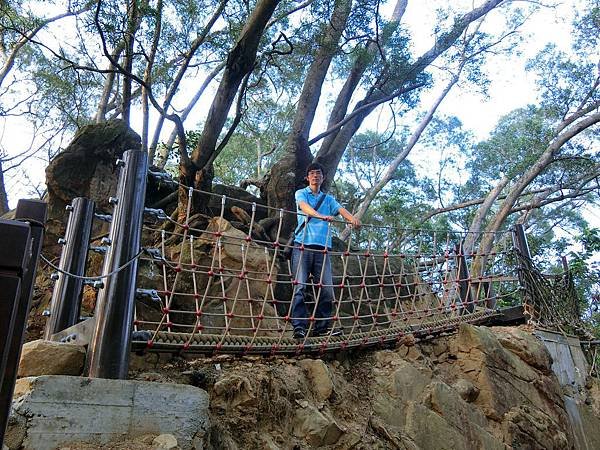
{"x":511,"y":85}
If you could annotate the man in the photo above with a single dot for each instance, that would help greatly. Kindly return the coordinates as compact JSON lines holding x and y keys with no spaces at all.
{"x":313,"y":259}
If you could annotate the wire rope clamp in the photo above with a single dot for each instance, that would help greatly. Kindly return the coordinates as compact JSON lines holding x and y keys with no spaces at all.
{"x":113,"y":200}
{"x":151,"y":294}
{"x":99,"y":249}
{"x":120,"y":163}
{"x":95,"y":284}
{"x":155,"y":214}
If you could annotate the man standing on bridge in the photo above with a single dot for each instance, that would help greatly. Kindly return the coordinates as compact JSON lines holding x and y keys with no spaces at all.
{"x":316,"y":210}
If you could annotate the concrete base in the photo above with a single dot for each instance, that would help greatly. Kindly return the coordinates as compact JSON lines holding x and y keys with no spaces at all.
{"x":55,"y":410}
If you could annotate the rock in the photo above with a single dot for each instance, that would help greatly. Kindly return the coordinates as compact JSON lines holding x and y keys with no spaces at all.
{"x":448,"y":404}
{"x":230,"y":255}
{"x":320,"y":377}
{"x":467,"y":390}
{"x":233,"y":390}
{"x":150,"y":376}
{"x":504,"y":379}
{"x":349,"y":440}
{"x":460,"y":415}
{"x":530,"y":428}
{"x":138,"y":443}
{"x":22,"y":386}
{"x":394,"y":390}
{"x":16,"y":431}
{"x":589,"y":422}
{"x":526,"y":346}
{"x":267,"y":443}
{"x":43,"y":357}
{"x":317,"y":427}
{"x":61,"y":410}
{"x":164,"y":442}
{"x":145,"y":362}
{"x":410,"y":381}
{"x":430,"y":431}
{"x":86,"y":168}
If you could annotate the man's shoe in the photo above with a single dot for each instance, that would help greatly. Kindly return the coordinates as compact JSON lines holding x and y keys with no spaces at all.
{"x":299,"y":333}
{"x":327,"y":332}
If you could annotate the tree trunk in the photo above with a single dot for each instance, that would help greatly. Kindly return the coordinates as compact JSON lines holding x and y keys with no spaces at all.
{"x":391,"y":169}
{"x":331,"y":154}
{"x":287,"y":175}
{"x":146,"y":91}
{"x":506,"y":207}
{"x":108,"y":86}
{"x":482,"y":211}
{"x":163,"y":154}
{"x":344,"y":97}
{"x":240,"y":62}
{"x":132,"y":25}
{"x":3,"y":196}
{"x":173,"y":88}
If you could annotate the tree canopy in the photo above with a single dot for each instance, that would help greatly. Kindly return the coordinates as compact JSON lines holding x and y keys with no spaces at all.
{"x":252,"y":92}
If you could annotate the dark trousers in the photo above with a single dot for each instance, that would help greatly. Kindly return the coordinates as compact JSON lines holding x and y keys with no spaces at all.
{"x":304,"y":264}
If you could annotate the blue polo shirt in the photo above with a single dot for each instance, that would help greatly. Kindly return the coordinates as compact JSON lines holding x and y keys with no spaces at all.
{"x":315,"y":232}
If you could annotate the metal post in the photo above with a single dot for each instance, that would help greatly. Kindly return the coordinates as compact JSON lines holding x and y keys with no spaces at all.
{"x":490,"y":296}
{"x":108,"y":352}
{"x":32,"y":212}
{"x":520,"y":241}
{"x":531,"y":308}
{"x":464,"y":281}
{"x":66,"y":296}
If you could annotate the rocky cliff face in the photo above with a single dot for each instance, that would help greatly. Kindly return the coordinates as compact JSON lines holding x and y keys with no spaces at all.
{"x":482,"y":388}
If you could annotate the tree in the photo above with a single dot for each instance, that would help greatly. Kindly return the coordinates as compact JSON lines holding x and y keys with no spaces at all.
{"x":161,"y":56}
{"x":3,"y":196}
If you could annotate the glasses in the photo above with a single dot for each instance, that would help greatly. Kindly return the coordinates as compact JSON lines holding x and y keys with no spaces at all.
{"x":315,"y":172}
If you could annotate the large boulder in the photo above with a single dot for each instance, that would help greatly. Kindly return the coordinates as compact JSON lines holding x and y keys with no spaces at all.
{"x":320,"y":376}
{"x":86,"y":168}
{"x":503,"y":374}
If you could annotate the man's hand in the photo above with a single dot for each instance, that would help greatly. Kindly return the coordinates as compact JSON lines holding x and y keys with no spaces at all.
{"x":355,"y":222}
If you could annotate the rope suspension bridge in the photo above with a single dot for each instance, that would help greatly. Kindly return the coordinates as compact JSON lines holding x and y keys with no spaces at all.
{"x":183,"y":286}
{"x":169,"y":285}
{"x":225,"y":290}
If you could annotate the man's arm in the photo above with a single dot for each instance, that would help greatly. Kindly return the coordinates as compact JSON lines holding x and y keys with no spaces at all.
{"x":354,"y":221}
{"x":310,"y":211}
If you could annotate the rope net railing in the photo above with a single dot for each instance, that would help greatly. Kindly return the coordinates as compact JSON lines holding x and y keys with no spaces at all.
{"x":551,"y":301}
{"x":225,"y":288}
